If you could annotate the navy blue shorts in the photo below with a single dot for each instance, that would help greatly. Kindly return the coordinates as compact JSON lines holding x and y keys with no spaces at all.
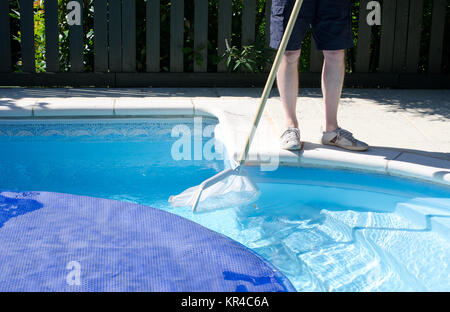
{"x":329,"y":20}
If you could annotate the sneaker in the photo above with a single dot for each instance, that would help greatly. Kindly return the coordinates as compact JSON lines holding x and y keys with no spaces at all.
{"x":344,"y":139}
{"x":290,"y":140}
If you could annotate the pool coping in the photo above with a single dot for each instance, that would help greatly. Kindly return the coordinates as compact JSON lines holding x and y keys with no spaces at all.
{"x":234,"y":122}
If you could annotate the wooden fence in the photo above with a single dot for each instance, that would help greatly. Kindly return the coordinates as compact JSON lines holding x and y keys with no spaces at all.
{"x":395,"y":62}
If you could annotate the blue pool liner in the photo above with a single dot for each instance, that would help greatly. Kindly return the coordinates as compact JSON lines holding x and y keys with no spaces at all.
{"x":62,"y":242}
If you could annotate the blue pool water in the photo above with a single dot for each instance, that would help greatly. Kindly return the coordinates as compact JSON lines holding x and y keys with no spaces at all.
{"x":326,"y":230}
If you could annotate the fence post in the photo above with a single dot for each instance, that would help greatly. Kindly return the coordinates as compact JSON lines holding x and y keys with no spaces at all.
{"x":76,"y":43}
{"x":115,"y":36}
{"x":176,"y":35}
{"x":5,"y":39}
{"x":51,"y":36}
{"x":153,"y":26}
{"x":224,"y":31}
{"x":201,"y":34}
{"x":27,"y":35}
{"x":268,"y":13}
{"x":362,"y":64}
{"x":387,"y":35}
{"x":414,"y":34}
{"x":129,"y":36}
{"x":100,"y":36}
{"x":248,"y":22}
{"x":400,"y":36}
{"x":437,"y":36}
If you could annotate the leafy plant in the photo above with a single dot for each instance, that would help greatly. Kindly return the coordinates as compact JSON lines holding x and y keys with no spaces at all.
{"x":15,"y":18}
{"x":39,"y":36}
{"x":249,"y":58}
{"x":193,"y":55}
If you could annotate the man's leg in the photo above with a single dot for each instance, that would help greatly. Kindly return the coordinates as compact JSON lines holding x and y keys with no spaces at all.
{"x":332,"y":80}
{"x":287,"y":83}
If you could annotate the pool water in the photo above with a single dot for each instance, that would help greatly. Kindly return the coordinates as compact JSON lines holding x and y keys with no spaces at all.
{"x":326,"y":230}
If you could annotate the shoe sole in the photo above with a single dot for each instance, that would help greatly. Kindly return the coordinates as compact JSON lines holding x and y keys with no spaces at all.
{"x":349,"y":148}
{"x":294,"y":148}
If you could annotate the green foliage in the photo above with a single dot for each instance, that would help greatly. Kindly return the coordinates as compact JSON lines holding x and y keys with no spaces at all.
{"x":251,"y":58}
{"x":39,"y":36}
{"x":63,"y":39}
{"x":15,"y":17}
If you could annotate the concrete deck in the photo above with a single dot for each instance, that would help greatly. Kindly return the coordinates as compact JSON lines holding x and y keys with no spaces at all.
{"x":408,"y":130}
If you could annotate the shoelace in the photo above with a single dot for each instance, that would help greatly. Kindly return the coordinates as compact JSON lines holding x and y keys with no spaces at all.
{"x":346,"y":134}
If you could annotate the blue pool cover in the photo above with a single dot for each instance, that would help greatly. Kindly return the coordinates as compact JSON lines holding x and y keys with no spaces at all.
{"x":62,"y":242}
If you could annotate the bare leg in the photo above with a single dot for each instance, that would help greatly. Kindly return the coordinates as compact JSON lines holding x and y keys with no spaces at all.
{"x":332,"y":81}
{"x":287,"y":83}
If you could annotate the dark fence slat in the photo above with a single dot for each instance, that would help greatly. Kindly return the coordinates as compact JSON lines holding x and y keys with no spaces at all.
{"x":51,"y":36}
{"x":414,"y":34}
{"x":27,"y":35}
{"x":153,"y":26}
{"x":201,"y":34}
{"x":224,"y":31}
{"x":315,"y":59}
{"x":248,"y":22}
{"x":176,"y":35}
{"x":5,"y":39}
{"x":76,"y":44}
{"x":100,"y":36}
{"x":129,"y":36}
{"x":362,"y":64}
{"x":401,"y":35}
{"x":115,"y":38}
{"x":387,"y":35}
{"x":267,"y":13}
{"x":437,"y":36}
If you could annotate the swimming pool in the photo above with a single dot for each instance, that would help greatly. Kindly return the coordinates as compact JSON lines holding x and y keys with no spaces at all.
{"x":326,"y":230}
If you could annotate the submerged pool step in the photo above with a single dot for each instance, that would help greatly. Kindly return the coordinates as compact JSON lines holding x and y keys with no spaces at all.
{"x":427,"y":214}
{"x":441,"y":225}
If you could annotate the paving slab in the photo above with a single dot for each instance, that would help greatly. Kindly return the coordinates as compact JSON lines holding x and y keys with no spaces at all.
{"x":129,"y":106}
{"x":70,"y":106}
